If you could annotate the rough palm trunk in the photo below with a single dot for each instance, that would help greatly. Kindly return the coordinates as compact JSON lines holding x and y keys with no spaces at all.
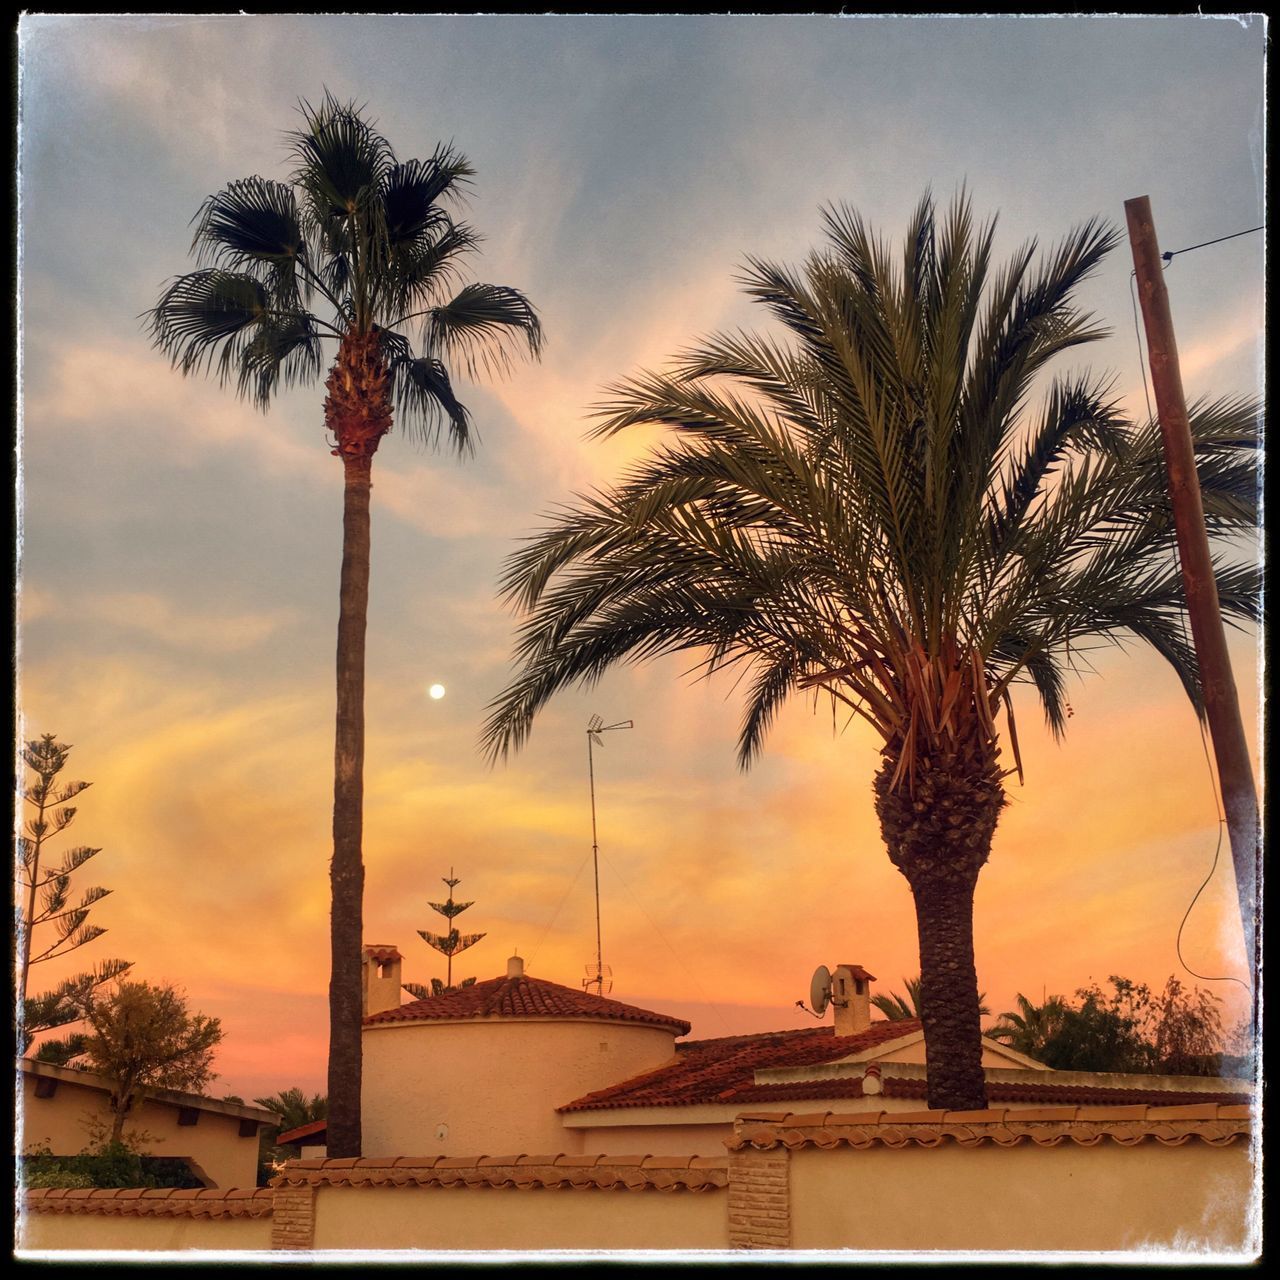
{"x":358,"y":413}
{"x":938,"y":830}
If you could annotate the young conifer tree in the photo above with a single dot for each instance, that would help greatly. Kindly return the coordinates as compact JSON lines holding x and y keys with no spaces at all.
{"x":44,"y":892}
{"x":448,"y":944}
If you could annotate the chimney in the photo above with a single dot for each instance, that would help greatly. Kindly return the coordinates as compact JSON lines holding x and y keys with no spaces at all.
{"x":515,"y":967}
{"x":851,"y":995}
{"x":380,"y":978}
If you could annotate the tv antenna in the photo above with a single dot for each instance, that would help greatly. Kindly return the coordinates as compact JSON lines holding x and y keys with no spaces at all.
{"x":595,"y":727}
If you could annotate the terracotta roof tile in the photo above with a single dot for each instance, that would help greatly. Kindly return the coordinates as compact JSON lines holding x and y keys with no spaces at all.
{"x":314,"y":1129}
{"x":724,"y":1070}
{"x":208,"y":1202}
{"x":636,"y":1173}
{"x":1047,"y":1127}
{"x":522,"y":997}
{"x":381,"y":953}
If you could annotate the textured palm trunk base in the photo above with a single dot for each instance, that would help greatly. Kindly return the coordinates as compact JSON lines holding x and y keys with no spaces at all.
{"x":939,"y":832}
{"x":357,"y":408}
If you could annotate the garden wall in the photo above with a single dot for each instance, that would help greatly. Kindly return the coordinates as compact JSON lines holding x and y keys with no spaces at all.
{"x":1078,"y":1179}
{"x":166,"y":1220}
{"x":1056,"y":1179}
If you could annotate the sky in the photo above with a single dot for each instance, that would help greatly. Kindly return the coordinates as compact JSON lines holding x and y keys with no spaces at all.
{"x":179,"y":550}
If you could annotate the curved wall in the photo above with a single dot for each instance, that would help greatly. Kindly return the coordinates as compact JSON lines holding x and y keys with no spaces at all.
{"x":491,"y":1086}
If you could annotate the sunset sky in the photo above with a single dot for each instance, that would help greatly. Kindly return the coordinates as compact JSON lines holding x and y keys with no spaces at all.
{"x":180,"y":550}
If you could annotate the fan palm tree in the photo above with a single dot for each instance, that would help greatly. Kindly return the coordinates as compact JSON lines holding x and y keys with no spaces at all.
{"x":1032,"y":1026}
{"x":370,"y":242}
{"x":907,"y":1008}
{"x":869,"y":510}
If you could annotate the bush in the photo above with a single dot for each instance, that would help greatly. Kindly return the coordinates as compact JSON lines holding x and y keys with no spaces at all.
{"x":113,"y":1165}
{"x":49,"y":1176}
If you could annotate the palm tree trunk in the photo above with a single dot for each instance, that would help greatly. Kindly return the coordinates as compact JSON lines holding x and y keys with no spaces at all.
{"x":346,"y":871}
{"x":949,"y":994}
{"x":938,"y":829}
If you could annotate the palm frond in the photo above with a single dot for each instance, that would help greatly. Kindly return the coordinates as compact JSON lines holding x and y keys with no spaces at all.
{"x":484,"y":326}
{"x":865,"y":507}
{"x":250,"y":224}
{"x":425,"y":401}
{"x":341,"y":161}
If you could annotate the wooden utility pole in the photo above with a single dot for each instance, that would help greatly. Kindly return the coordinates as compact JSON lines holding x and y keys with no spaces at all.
{"x":1222,"y":705}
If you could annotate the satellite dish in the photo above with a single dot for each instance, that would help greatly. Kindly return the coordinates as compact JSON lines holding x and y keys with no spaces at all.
{"x":820,"y":989}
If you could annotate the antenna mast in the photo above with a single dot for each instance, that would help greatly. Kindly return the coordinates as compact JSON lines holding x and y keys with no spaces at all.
{"x":595,"y":727}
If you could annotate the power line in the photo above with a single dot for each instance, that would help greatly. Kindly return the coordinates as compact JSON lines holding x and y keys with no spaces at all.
{"x":1173,"y":253}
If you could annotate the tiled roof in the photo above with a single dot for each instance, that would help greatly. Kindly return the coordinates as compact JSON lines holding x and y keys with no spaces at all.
{"x":997,"y":1091}
{"x":313,"y":1129}
{"x":1212,"y":1123}
{"x":724,"y":1070}
{"x":622,"y":1173}
{"x":381,"y":953}
{"x":522,"y":997}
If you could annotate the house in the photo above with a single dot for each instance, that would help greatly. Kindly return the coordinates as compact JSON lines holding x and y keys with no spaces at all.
{"x":63,"y":1106}
{"x":522,"y":1064}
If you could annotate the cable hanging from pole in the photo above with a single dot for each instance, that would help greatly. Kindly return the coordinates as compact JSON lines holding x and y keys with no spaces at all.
{"x":1204,"y":244}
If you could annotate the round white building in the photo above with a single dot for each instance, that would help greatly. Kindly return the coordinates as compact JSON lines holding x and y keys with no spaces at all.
{"x":483,"y":1068}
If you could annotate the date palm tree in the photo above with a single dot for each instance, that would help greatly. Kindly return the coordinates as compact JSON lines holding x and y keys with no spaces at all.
{"x":372,"y":244}
{"x":868,"y":508}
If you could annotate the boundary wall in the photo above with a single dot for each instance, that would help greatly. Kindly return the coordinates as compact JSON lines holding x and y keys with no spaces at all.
{"x":1058,"y":1179}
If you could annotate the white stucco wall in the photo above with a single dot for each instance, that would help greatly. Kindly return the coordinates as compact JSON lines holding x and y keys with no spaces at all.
{"x":509,"y":1218}
{"x":1028,"y":1197}
{"x":673,"y":1139}
{"x":492,"y":1085}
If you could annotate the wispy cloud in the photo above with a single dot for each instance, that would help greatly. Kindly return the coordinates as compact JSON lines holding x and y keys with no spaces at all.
{"x":166,"y":623}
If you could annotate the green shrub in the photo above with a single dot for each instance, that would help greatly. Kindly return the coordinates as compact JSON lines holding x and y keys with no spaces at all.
{"x":33,"y":1179}
{"x":113,"y":1165}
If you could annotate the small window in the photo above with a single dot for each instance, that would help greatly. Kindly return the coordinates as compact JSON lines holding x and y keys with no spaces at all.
{"x":188,"y":1115}
{"x":46,"y":1087}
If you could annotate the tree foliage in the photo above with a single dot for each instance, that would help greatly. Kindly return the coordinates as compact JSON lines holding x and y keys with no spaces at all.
{"x":295,"y":1108}
{"x":447,"y":944}
{"x":357,"y":241}
{"x":143,"y":1036}
{"x":906,"y":1008}
{"x":1128,"y":1029}
{"x":45,"y":903}
{"x":1029,"y":1028}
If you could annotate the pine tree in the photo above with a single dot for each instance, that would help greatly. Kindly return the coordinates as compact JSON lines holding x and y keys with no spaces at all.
{"x":44,"y":893}
{"x":448,"y":944}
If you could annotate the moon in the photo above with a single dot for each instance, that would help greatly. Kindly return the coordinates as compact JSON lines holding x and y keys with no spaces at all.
{"x":436,"y":691}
